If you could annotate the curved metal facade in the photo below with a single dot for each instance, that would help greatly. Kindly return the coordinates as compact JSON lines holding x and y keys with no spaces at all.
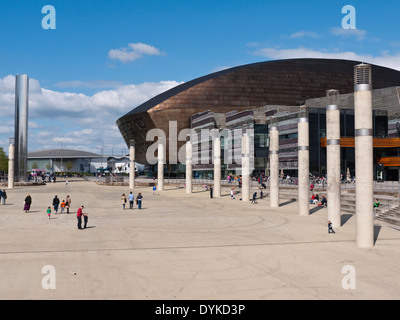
{"x":281,"y":82}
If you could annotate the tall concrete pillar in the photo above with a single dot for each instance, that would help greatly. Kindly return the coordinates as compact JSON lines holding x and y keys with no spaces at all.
{"x":21,"y":127}
{"x":189,"y":155}
{"x":245,"y":167}
{"x":274,"y":163}
{"x":161,"y":157}
{"x":364,"y":155}
{"x":11,"y":152}
{"x":333,"y":157}
{"x":217,"y":164}
{"x":303,"y":162}
{"x":132,"y":165}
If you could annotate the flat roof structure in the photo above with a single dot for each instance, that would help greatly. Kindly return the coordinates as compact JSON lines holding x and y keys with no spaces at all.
{"x":62,"y":153}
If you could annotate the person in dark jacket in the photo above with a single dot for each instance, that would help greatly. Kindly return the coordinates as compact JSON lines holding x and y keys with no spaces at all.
{"x":3,"y":196}
{"x":28,"y":202}
{"x":56,"y":202}
{"x":139,"y":200}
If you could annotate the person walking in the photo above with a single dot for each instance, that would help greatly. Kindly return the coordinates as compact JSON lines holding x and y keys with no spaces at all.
{"x":123,"y":199}
{"x":232,"y":194}
{"x":67,"y":203}
{"x":254,"y":197}
{"x":48,"y":212}
{"x":56,"y":202}
{"x":211,"y":192}
{"x":3,"y":197}
{"x":330,"y":229}
{"x":28,"y":203}
{"x":79,"y":215}
{"x":139,"y":200}
{"x":154,"y":189}
{"x":131,"y":198}
{"x":1,"y":194}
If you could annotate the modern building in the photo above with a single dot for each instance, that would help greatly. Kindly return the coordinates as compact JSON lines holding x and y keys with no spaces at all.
{"x":65,"y":160}
{"x":248,"y":95}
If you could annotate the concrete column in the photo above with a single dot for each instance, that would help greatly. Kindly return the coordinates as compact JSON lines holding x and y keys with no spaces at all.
{"x":11,"y":155}
{"x":333,"y":157}
{"x":245,"y":167}
{"x":364,"y":156}
{"x":160,"y":177}
{"x":303,"y":163}
{"x":132,"y":166}
{"x":189,"y":155}
{"x":274,"y":163}
{"x":217,"y":165}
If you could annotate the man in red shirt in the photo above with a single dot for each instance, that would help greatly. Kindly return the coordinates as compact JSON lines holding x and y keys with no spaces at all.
{"x":79,"y":215}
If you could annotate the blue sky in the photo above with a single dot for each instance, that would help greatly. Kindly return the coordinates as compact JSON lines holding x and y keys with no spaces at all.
{"x":106,"y":57}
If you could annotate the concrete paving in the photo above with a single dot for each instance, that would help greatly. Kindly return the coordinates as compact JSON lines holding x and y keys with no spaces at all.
{"x":186,"y":246}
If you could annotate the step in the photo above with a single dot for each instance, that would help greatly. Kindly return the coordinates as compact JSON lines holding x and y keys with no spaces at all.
{"x":391,"y":220}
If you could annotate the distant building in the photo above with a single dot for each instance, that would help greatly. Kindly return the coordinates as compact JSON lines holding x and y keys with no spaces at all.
{"x":121,"y":165}
{"x":64,"y":160}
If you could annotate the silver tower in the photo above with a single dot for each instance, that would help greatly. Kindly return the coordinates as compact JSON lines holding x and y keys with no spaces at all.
{"x":21,"y":127}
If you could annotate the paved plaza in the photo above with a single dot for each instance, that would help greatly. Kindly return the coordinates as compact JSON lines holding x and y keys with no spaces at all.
{"x":182,"y":246}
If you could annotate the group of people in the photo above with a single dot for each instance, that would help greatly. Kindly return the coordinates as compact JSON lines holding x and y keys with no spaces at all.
{"x":315,"y":199}
{"x":65,"y":204}
{"x":131,"y":199}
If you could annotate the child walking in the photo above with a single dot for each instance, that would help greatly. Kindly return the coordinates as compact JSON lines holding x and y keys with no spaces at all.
{"x":330,"y":229}
{"x":48,"y":212}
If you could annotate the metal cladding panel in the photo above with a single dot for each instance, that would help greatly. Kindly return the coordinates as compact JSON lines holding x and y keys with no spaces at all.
{"x":21,"y":127}
{"x":281,"y":82}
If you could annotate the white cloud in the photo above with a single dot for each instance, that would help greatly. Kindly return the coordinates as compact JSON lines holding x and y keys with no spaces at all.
{"x":359,"y":34}
{"x":133,"y":52}
{"x":88,"y":84}
{"x":385,"y":59}
{"x":302,"y":34}
{"x":79,"y":121}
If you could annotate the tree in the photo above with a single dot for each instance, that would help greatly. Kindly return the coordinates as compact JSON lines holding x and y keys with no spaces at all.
{"x":69,"y":165}
{"x":35,"y":165}
{"x":3,"y":161}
